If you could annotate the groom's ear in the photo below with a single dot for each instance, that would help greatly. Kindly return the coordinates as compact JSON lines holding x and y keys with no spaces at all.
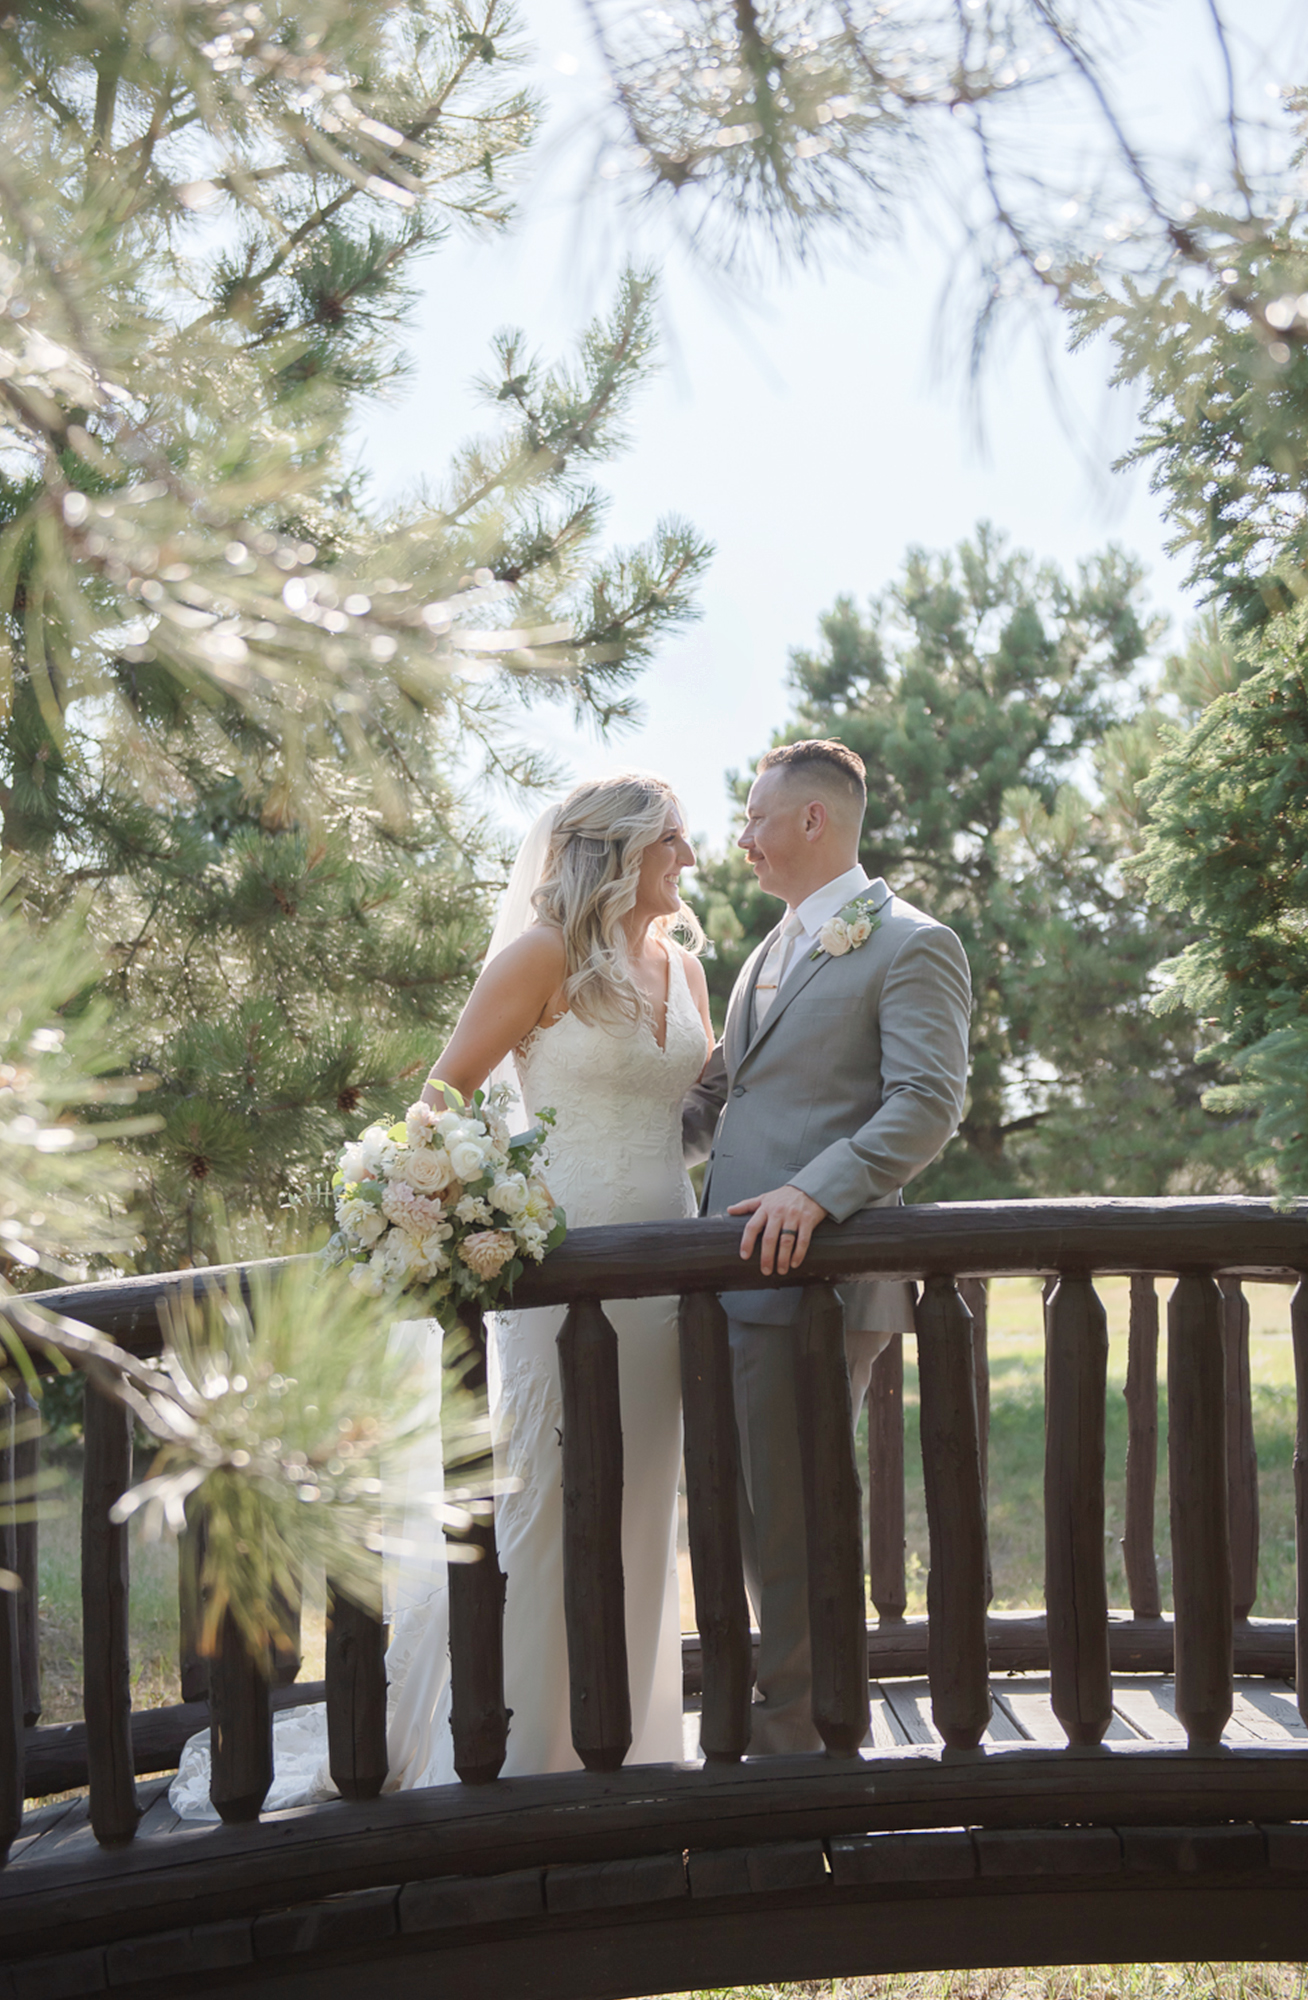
{"x":816,"y":819}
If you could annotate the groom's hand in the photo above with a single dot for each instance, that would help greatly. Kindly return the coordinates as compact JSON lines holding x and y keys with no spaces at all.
{"x":784,"y":1220}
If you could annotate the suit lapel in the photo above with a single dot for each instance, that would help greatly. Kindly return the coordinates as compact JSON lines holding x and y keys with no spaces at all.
{"x":798,"y":976}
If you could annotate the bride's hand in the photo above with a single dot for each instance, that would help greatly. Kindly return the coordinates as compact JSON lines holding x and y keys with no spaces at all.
{"x":785,"y":1220}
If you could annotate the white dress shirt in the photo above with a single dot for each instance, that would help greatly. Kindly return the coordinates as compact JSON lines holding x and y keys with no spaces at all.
{"x":825,"y":903}
{"x":799,"y":933}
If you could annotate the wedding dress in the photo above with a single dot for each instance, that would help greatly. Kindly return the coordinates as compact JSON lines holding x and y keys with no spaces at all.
{"x":614,"y":1156}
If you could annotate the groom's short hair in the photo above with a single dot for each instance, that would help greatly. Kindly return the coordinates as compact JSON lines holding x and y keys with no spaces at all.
{"x":838,"y":770}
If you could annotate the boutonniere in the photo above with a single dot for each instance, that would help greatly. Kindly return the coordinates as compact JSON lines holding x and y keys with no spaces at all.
{"x":852,"y":927}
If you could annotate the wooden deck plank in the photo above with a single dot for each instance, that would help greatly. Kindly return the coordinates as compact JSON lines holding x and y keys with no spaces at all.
{"x":1151,"y":1707}
{"x":72,"y":1840}
{"x":1139,"y":1702}
{"x":36,"y":1825}
{"x":157,"y":1817}
{"x":910,"y":1704}
{"x":885,"y":1731}
{"x":1027,"y":1700}
{"x":1273,"y":1702}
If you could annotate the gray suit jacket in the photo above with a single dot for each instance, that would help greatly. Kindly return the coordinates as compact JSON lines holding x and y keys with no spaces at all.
{"x":852,"y":1085}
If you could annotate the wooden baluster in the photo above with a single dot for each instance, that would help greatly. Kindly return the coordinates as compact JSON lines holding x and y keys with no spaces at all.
{"x":1141,"y":1395}
{"x":593,"y":1600}
{"x":193,"y":1664}
{"x":27,"y":1475}
{"x":956,"y":1517}
{"x":1241,"y":1451}
{"x":479,"y":1720}
{"x":713,"y":1522}
{"x":1076,"y":1586}
{"x":1299,"y":1338}
{"x":106,"y":1661}
{"x":833,"y":1526}
{"x":240,"y":1726}
{"x":885,"y":1483}
{"x":286,"y":1645}
{"x":1201,"y":1545}
{"x":11,"y":1669}
{"x":975,"y":1294}
{"x":356,"y":1698}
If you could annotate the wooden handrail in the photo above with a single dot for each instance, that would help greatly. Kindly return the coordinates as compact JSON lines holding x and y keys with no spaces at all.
{"x":1252,"y":1239}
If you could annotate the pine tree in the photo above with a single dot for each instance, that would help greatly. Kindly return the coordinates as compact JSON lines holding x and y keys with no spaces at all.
{"x":1224,"y":366}
{"x":977,"y":689}
{"x":1228,"y":842}
{"x":238,"y":695}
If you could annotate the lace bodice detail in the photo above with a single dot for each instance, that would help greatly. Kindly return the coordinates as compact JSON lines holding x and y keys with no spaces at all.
{"x":615,"y":1153}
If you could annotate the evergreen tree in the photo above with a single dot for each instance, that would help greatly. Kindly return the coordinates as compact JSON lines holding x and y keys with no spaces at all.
{"x":1228,"y":843}
{"x":978,"y":689}
{"x":237,"y":693}
{"x":1224,"y":366}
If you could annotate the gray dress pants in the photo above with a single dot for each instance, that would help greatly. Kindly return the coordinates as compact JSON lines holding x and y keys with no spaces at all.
{"x":772,"y":1521}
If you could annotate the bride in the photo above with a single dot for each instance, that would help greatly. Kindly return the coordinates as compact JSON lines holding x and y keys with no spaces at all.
{"x":604,"y":1018}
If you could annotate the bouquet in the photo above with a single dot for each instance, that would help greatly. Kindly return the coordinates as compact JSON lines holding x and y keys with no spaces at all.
{"x":445,"y":1201}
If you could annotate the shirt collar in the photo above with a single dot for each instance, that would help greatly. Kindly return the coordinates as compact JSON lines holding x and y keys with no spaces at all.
{"x":831,"y":898}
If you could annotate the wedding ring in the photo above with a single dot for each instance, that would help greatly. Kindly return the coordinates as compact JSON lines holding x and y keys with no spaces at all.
{"x":790,"y":1232}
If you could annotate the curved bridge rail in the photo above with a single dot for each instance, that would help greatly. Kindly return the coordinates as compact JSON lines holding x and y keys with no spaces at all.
{"x":778,"y":1858}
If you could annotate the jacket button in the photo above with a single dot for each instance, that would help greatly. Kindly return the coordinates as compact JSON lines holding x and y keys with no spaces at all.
{"x":739,"y":1090}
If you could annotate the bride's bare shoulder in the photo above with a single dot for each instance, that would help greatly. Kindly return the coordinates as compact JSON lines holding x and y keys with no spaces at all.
{"x":537,"y":955}
{"x":692,"y":966}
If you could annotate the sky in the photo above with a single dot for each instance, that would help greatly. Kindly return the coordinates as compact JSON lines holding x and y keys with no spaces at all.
{"x":807,"y":427}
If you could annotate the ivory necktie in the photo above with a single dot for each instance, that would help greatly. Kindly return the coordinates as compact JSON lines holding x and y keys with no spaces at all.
{"x":773,"y":969}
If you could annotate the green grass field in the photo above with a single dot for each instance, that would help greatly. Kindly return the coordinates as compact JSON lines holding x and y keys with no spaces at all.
{"x":1016,"y":1512}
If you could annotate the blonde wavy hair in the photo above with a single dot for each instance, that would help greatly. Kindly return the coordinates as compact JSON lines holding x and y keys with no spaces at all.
{"x":588,"y":885}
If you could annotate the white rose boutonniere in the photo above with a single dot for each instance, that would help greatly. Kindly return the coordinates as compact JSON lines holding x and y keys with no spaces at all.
{"x":852,"y":927}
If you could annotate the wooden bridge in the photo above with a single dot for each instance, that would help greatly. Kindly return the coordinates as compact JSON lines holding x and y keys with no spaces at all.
{"x":1143,"y":1797}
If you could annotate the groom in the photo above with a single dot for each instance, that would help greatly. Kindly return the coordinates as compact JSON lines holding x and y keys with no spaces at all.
{"x":840,"y":1075}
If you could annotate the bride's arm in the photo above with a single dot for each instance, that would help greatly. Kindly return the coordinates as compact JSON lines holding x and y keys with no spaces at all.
{"x":518,"y":990}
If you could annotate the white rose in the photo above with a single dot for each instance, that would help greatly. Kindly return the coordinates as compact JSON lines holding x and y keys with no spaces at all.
{"x":468,"y":1158}
{"x":368,"y":1280}
{"x":352,"y":1161}
{"x":426,"y":1170}
{"x":362,"y":1221}
{"x":860,"y":930}
{"x":378,"y":1149}
{"x":509,"y":1195}
{"x":834,"y":937}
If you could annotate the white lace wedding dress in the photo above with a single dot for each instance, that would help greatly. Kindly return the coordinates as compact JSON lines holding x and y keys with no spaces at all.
{"x":615,"y":1156}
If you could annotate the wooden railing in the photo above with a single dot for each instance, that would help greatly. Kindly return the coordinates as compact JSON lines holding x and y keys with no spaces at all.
{"x":1212,"y":1479}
